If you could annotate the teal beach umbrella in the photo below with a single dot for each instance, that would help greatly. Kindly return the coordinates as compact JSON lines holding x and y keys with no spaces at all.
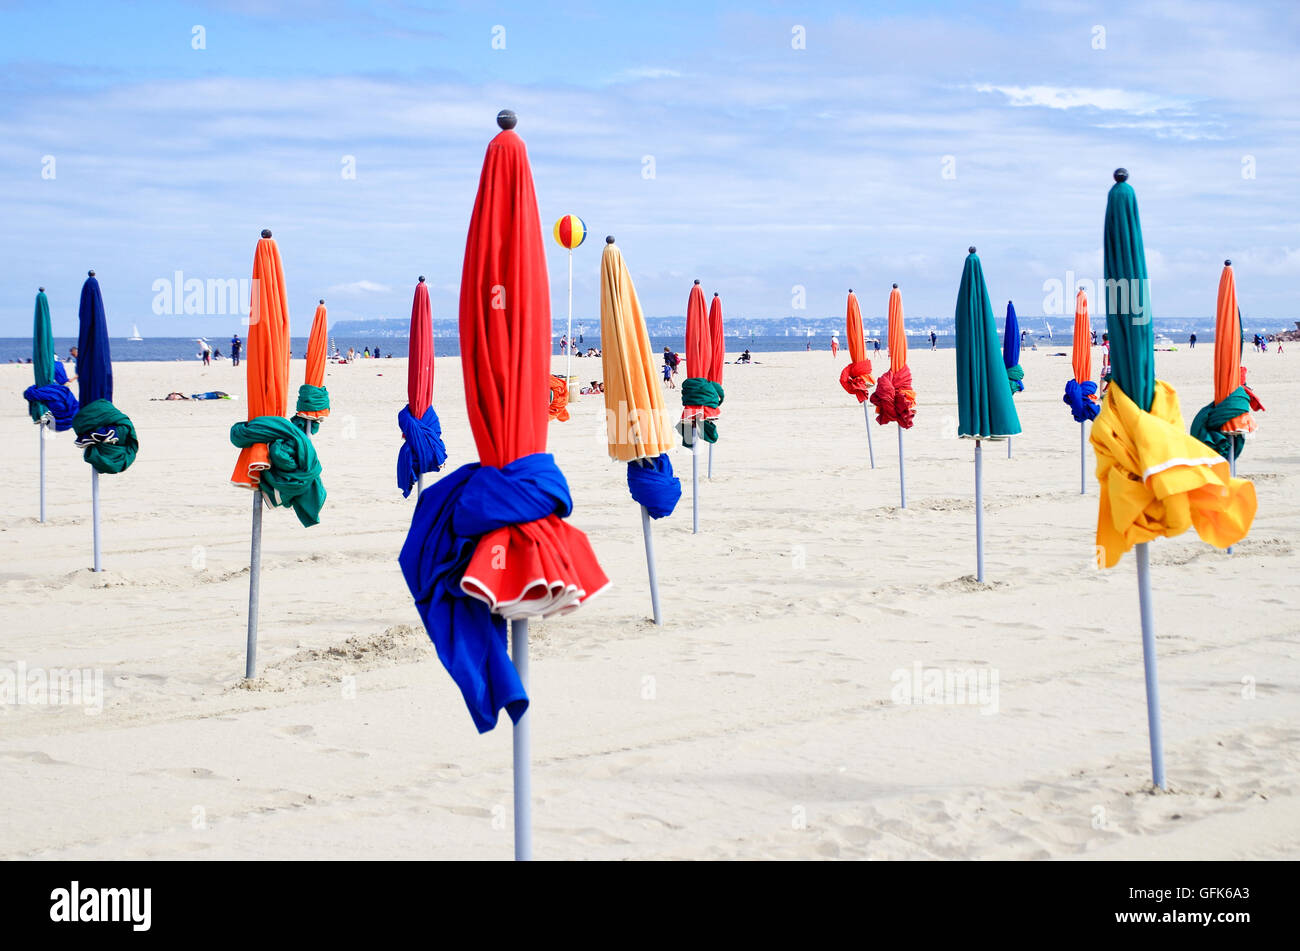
{"x":1126,"y":298}
{"x":984,"y":406}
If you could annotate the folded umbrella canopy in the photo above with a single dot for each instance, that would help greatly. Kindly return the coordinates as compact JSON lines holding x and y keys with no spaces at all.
{"x":717,"y":357}
{"x":422,"y":449}
{"x":1154,"y":478}
{"x":700,"y":395}
{"x":856,"y":377}
{"x":637,"y":424}
{"x":1224,"y":424}
{"x":984,"y":406}
{"x":1081,"y":392}
{"x":105,"y":434}
{"x":49,"y":400}
{"x":1011,"y":351}
{"x":276,"y":459}
{"x":488,"y":542}
{"x":894,"y":398}
{"x":313,"y":399}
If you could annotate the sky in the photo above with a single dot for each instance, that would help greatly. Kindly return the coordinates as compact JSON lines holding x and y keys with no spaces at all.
{"x":782,"y":153}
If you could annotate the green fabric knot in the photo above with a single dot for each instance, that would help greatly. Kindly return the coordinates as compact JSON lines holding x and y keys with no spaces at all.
{"x":107,"y":437}
{"x":294,"y":477}
{"x":311,"y":399}
{"x":698,"y":391}
{"x":1016,"y":376}
{"x":1206,"y":425}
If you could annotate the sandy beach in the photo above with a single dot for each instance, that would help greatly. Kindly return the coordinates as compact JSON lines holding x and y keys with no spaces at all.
{"x":761,"y":721}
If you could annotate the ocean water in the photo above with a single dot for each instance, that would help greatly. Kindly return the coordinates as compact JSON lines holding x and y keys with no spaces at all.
{"x":164,"y":349}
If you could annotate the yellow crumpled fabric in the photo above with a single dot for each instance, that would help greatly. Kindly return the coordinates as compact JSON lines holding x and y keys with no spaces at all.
{"x":1157,"y":480}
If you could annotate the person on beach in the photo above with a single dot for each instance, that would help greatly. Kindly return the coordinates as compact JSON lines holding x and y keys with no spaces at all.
{"x":236,"y":347}
{"x":1191,"y":341}
{"x":835,"y":345}
{"x":205,"y":352}
{"x":1094,"y":338}
{"x":72,"y":363}
{"x":934,"y":340}
{"x":877,"y":345}
{"x":671,"y":360}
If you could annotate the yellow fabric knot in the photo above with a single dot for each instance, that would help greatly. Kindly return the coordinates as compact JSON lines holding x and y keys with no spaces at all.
{"x":1157,"y":480}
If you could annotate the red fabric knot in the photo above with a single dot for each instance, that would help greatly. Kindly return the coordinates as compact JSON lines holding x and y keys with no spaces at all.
{"x":856,"y":379}
{"x":894,"y":399}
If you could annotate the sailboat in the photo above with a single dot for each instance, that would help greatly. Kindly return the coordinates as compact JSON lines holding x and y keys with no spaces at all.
{"x":135,"y":333}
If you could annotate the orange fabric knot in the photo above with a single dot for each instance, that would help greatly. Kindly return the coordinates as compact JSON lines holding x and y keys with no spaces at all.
{"x":559,"y":399}
{"x":856,"y":379}
{"x":894,"y":399}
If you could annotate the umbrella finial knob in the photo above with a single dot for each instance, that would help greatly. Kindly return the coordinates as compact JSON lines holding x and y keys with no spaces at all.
{"x":609,"y":239}
{"x":266,"y":232}
{"x":421,"y":278}
{"x":507,"y":119}
{"x":1227,"y":263}
{"x":895,"y":286}
{"x":322,"y":300}
{"x":971,"y":249}
{"x":850,"y":290}
{"x":90,"y":273}
{"x":697,"y":280}
{"x":1121,"y":174}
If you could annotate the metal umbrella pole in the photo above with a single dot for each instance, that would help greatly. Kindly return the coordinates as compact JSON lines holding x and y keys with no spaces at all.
{"x":1149,"y":664}
{"x":695,"y":479}
{"x":40,"y":433}
{"x":871,"y":452}
{"x":522,"y":750}
{"x":979,"y":513}
{"x":902,"y":477}
{"x":650,"y":564}
{"x":94,"y":515}
{"x":254,"y":586}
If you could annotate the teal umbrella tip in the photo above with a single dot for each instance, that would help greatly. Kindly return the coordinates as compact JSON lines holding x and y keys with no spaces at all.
{"x":40,"y":290}
{"x":1121,"y":174}
{"x":971,"y":249}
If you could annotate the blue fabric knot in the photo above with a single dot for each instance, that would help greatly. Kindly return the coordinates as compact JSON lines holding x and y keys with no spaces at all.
{"x":450,"y":517}
{"x":1076,"y":396}
{"x":652,"y":483}
{"x":57,"y":399}
{"x":422,"y":447}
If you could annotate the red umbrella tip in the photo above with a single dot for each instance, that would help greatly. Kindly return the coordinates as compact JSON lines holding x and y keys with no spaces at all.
{"x":1225,"y":264}
{"x":697,"y":280}
{"x":322,"y":300}
{"x":1121,"y":174}
{"x":421,"y":278}
{"x":266,"y":232}
{"x":609,"y":239}
{"x":850,"y":290}
{"x":895,"y":286}
{"x":715,"y":293}
{"x":971,"y":249}
{"x":507,"y":119}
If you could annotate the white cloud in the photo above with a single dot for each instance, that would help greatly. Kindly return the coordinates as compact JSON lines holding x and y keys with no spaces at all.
{"x":359,"y":288}
{"x":1108,"y":100}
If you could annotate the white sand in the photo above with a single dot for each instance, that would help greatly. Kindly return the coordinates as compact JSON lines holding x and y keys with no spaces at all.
{"x":757,"y":722}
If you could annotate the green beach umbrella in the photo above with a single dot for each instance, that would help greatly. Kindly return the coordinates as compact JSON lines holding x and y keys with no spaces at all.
{"x":1127,"y":296}
{"x":984,"y":406}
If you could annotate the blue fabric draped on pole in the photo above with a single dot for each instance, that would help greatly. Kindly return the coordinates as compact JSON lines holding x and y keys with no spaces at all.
{"x":57,"y":398}
{"x":422,"y":447}
{"x":450,"y":517}
{"x":652,"y":483}
{"x":1076,"y":397}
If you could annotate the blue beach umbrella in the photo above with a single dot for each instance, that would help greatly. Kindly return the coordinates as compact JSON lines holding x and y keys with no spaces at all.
{"x":984,"y":406}
{"x":105,"y":435}
{"x":1011,"y":356}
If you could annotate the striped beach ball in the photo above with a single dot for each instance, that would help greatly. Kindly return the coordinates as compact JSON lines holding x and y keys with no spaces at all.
{"x":570,"y":231}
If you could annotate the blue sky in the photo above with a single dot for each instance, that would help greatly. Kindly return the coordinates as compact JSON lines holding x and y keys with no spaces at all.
{"x":897,"y":136}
